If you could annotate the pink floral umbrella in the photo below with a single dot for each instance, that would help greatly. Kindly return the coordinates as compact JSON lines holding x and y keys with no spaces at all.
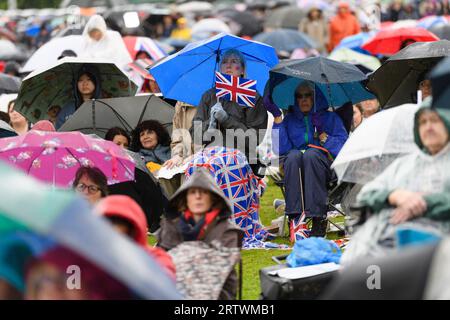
{"x":54,"y":157}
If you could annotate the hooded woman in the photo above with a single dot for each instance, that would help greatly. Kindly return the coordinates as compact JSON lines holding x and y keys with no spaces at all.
{"x":203,"y":213}
{"x":100,"y":43}
{"x":414,"y":191}
{"x":315,"y":26}
{"x":86,"y":87}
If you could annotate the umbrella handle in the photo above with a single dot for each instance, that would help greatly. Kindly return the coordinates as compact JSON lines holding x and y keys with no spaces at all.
{"x":93,"y":115}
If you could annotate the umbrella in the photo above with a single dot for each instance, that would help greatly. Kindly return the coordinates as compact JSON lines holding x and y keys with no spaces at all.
{"x":375,"y":143}
{"x":54,"y":85}
{"x":432,"y":21}
{"x":67,"y":219}
{"x":286,"y":40}
{"x":355,"y":42}
{"x":48,"y":54}
{"x":9,"y":51}
{"x":285,"y":17}
{"x":93,"y":3}
{"x":320,"y":4}
{"x":339,"y":82}
{"x":358,"y":59}
{"x":195,"y":7}
{"x":396,"y":81}
{"x":9,"y":84}
{"x":241,"y":23}
{"x":407,"y":23}
{"x":100,"y":115}
{"x":5,"y":99}
{"x":206,"y":28}
{"x":54,"y":157}
{"x":153,"y":48}
{"x":440,"y":76}
{"x":389,"y":41}
{"x":442,"y":31}
{"x":187,"y":74}
{"x":203,"y":268}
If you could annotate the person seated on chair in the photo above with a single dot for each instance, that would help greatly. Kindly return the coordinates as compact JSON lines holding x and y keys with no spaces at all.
{"x":309,"y":140}
{"x":412,"y":192}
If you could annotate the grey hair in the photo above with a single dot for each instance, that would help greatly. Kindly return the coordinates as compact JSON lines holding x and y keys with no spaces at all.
{"x":237,"y":54}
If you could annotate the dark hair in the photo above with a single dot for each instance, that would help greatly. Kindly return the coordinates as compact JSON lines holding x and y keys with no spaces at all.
{"x":96,"y":175}
{"x":67,"y":53}
{"x":4,"y":116}
{"x":142,"y":51}
{"x":115,"y":131}
{"x":314,"y":9}
{"x":150,"y":125}
{"x":115,"y":220}
{"x":92,"y":72}
{"x":10,"y":103}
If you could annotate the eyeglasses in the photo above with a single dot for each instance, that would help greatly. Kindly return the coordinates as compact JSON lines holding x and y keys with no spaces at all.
{"x":303,"y":96}
{"x":92,"y":189}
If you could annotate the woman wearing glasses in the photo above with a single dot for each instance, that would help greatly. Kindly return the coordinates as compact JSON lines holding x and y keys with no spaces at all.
{"x":91,"y":183}
{"x":308,"y":138}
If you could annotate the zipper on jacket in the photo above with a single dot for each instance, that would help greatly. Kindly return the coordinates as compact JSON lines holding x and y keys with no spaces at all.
{"x":305,"y":118}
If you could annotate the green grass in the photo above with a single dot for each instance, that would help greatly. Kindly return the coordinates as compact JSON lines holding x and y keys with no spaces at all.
{"x":256,"y":259}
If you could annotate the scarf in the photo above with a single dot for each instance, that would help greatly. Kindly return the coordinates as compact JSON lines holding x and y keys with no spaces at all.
{"x":158,"y":155}
{"x":191,"y":230}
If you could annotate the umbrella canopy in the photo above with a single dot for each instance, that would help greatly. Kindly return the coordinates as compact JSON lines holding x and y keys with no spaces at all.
{"x":375,"y":143}
{"x":389,"y":41}
{"x":396,"y":81}
{"x":440,"y":77}
{"x":187,"y":74}
{"x":9,"y":84}
{"x":93,"y":3}
{"x":54,"y":157}
{"x":356,"y":58}
{"x":286,"y":40}
{"x":203,"y":268}
{"x":67,"y":219}
{"x":100,"y":115}
{"x":9,"y":51}
{"x":153,"y":48}
{"x":55,"y":85}
{"x":442,"y":31}
{"x":206,"y":28}
{"x":432,"y":21}
{"x":285,"y":17}
{"x":195,"y":7}
{"x":355,"y":42}
{"x":48,"y":54}
{"x":339,"y":82}
{"x":241,"y":23}
{"x":5,"y":99}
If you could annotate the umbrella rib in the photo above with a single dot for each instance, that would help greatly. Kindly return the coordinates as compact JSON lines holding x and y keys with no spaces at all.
{"x":121,"y":119}
{"x":31,"y":163}
{"x":145,"y":108}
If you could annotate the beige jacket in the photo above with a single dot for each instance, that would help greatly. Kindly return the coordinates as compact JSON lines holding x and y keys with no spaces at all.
{"x":181,"y":139}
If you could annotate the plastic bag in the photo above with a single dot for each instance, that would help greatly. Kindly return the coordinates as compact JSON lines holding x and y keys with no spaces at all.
{"x":313,"y":251}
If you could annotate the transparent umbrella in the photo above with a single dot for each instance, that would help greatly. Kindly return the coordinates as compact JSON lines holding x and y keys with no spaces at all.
{"x":377,"y":142}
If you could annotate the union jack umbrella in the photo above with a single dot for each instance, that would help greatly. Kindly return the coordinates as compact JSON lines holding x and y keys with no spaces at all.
{"x":135,"y":44}
{"x":239,"y":90}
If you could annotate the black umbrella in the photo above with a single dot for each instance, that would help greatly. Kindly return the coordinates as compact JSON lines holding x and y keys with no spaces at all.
{"x":440,"y":78}
{"x":9,"y":84}
{"x":286,"y":40}
{"x":242,"y":23}
{"x":396,"y":81}
{"x":98,"y":116}
{"x":442,"y":31}
{"x":287,"y":17}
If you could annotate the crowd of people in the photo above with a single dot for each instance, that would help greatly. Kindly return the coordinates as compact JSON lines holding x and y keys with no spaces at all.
{"x":215,"y":194}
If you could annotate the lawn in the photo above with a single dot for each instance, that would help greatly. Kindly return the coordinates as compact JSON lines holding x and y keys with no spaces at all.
{"x":254,"y":260}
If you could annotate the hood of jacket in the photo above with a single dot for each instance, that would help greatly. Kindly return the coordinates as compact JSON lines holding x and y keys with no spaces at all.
{"x":95,"y":22}
{"x":443,"y":114}
{"x":124,"y":207}
{"x":201,"y":178}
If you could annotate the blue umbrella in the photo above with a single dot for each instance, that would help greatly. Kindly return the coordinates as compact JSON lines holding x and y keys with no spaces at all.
{"x":337,"y":82}
{"x":187,"y":74}
{"x":355,"y":42}
{"x":286,"y":40}
{"x":432,"y":21}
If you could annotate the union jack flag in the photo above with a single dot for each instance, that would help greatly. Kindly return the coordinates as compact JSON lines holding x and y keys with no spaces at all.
{"x":299,"y":229}
{"x":239,"y":90}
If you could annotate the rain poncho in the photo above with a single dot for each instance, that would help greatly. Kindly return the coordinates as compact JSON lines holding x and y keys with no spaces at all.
{"x":110,"y":47}
{"x":418,"y":172}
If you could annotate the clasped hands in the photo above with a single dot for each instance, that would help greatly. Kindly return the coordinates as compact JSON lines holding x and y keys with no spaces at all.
{"x":408,"y":205}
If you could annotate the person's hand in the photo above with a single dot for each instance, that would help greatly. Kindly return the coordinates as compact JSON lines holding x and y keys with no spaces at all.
{"x":408,"y":205}
{"x":175,"y":161}
{"x":317,"y":122}
{"x":401,"y":215}
{"x":270,"y":106}
{"x":218,"y":113}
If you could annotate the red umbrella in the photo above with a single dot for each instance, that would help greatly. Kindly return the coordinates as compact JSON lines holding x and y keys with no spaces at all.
{"x":389,"y":41}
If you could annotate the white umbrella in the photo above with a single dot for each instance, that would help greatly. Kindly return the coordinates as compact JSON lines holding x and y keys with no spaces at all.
{"x":409,"y":23}
{"x":376,"y":142}
{"x":194,"y":6}
{"x":207,"y":28}
{"x":5,"y":99}
{"x":48,"y":54}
